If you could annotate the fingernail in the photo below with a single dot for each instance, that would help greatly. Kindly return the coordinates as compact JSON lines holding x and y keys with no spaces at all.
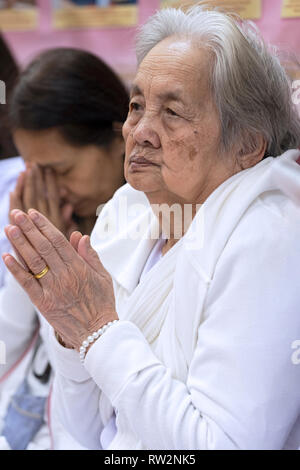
{"x":8,"y":260}
{"x":33,"y":215}
{"x":14,"y":232}
{"x":20,"y":217}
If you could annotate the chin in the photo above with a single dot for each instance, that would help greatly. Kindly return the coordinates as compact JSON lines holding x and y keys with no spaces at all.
{"x":141,"y":182}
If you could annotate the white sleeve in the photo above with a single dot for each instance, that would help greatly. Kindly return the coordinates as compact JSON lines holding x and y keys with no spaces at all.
{"x":242,"y":389}
{"x":75,"y":396}
{"x":18,"y":322}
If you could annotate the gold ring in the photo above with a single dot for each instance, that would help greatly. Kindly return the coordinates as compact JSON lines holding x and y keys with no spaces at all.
{"x":42,"y":273}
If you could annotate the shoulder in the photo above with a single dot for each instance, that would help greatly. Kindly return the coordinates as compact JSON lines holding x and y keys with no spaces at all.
{"x":266,"y":209}
{"x":272,"y":220}
{"x":11,"y":167}
{"x":263,"y":250}
{"x":9,"y":171}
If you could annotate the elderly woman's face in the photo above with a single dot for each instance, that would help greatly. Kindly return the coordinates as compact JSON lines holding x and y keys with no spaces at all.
{"x":172,"y":131}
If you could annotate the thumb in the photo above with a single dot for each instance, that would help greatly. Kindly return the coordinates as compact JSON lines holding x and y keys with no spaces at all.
{"x":88,"y":253}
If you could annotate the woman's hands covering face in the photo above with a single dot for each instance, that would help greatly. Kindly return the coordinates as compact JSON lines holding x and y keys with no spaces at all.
{"x":38,"y":188}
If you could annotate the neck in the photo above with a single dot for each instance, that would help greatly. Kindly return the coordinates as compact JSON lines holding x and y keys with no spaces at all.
{"x":168,"y":245}
{"x":174,"y":219}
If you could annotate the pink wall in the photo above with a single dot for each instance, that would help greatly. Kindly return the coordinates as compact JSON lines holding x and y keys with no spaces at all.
{"x":116,"y":46}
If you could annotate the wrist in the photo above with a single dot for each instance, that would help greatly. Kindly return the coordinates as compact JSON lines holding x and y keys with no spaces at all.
{"x":96,"y":325}
{"x":90,"y":340}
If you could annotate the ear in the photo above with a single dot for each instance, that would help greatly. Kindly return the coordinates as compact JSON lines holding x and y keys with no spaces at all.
{"x":253,"y":153}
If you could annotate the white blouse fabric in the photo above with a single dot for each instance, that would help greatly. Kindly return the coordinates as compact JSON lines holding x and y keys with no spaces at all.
{"x":203,"y":356}
{"x":110,"y":429}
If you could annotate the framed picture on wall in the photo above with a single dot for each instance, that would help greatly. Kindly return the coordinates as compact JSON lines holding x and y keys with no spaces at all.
{"x":94,"y":13}
{"x":246,"y":9}
{"x":18,"y":15}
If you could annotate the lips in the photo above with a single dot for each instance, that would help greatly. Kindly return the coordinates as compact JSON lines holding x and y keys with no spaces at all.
{"x":140,"y":160}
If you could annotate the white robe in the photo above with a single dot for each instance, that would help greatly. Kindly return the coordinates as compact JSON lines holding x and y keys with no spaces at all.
{"x":205,"y":354}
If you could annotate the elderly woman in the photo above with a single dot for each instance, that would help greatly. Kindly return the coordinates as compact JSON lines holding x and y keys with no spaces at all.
{"x":183,"y":337}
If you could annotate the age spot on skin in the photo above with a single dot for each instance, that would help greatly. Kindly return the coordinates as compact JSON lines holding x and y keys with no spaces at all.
{"x":181,"y":145}
{"x":192,"y":153}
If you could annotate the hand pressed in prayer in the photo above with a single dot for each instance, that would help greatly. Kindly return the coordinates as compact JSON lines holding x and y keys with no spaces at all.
{"x":76,"y":295}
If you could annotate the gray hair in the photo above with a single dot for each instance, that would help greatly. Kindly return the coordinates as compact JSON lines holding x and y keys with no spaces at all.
{"x":252,"y":91}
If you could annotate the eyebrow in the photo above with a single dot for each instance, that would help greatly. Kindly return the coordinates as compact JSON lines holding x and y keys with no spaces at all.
{"x":135,"y":90}
{"x":165,"y":96}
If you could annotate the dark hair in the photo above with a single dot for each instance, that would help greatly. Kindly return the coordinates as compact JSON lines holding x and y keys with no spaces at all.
{"x":8,"y":74}
{"x":72,"y":90}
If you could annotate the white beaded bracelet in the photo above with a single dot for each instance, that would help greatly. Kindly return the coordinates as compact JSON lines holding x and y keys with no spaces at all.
{"x":90,"y":339}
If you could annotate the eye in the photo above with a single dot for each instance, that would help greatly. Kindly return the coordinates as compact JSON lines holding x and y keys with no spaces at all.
{"x":171,"y":112}
{"x":64,"y":172}
{"x":134,"y":106}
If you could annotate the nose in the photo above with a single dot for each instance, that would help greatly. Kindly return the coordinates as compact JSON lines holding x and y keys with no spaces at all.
{"x":62,"y":191}
{"x":144,"y":132}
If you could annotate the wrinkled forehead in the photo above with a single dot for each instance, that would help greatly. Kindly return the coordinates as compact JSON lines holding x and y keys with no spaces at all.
{"x":174,"y":66}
